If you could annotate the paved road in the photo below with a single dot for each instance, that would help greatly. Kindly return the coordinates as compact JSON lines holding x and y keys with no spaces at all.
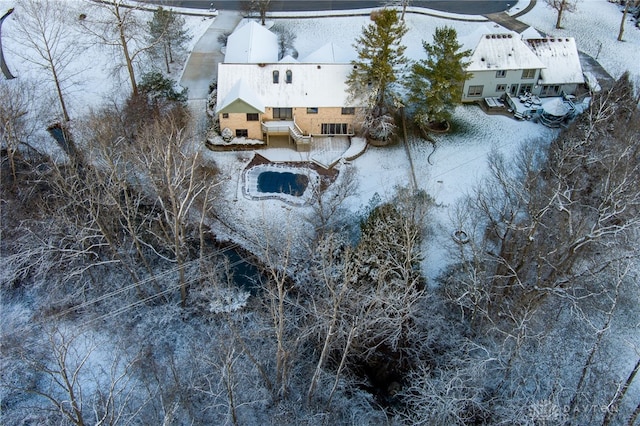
{"x":469,"y":7}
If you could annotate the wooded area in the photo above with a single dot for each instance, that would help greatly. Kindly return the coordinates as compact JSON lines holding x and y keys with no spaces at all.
{"x":120,"y":306}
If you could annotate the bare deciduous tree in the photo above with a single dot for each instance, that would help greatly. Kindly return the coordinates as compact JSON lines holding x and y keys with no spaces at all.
{"x":623,"y":19}
{"x":81,"y":384}
{"x":16,"y":126}
{"x":175,"y":178}
{"x":562,"y":6}
{"x":46,"y":30}
{"x":329,"y":198}
{"x":120,"y":27}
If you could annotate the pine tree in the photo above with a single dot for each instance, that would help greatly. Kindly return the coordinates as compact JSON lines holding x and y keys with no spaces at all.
{"x":435,"y":84}
{"x":380,"y":63}
{"x":167,"y":34}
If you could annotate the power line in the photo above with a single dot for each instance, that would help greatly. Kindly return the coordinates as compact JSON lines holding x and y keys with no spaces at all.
{"x":140,"y":302}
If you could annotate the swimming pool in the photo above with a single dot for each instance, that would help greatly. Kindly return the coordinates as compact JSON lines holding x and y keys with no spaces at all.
{"x":282,"y":183}
{"x":293,"y":185}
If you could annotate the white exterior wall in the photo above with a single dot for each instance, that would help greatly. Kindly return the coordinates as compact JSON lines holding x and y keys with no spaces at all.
{"x":489,"y":81}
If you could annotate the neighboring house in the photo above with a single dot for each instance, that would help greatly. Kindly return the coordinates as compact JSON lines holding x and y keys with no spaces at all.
{"x":506,"y":64}
{"x":562,"y":72}
{"x":262,"y":97}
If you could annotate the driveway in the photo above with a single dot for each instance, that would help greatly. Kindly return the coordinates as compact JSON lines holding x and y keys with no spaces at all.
{"x":202,"y":65}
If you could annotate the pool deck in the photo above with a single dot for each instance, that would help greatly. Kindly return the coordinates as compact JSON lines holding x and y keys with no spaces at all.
{"x":326,"y":151}
{"x":252,"y":191}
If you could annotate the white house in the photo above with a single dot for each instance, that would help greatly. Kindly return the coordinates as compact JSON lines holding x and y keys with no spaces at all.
{"x":262,"y":97}
{"x":501,"y":63}
{"x":562,"y":72}
{"x":506,"y":64}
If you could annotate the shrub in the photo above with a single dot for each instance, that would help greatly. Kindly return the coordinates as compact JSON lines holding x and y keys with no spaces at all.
{"x":227,"y":135}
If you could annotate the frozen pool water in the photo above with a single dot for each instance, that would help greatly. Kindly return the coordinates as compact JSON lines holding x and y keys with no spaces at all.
{"x":293,"y":185}
{"x":282,"y":182}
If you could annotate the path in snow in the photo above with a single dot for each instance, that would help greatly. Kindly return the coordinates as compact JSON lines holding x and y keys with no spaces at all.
{"x":202,"y":65}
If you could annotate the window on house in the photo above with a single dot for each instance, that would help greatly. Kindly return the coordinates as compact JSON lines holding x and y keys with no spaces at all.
{"x":313,"y":110}
{"x":252,"y":116}
{"x":225,"y":115}
{"x":550,"y":90}
{"x":334,"y":128}
{"x":348,"y":111}
{"x":501,"y":73}
{"x":288,"y":77}
{"x":528,"y":74}
{"x":475,"y":91}
{"x":276,"y":77}
{"x":242,"y":133}
{"x":501,"y":87}
{"x":282,"y":113}
{"x":524,"y":89}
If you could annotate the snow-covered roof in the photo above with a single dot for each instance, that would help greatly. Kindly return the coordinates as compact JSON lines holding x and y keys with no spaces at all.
{"x":288,"y":59}
{"x":560,"y":57}
{"x":330,"y":54}
{"x":239,"y":98}
{"x":503,"y":52}
{"x":312,"y":85}
{"x":530,"y":33}
{"x":470,"y":40}
{"x":556,"y":107}
{"x":251,"y":43}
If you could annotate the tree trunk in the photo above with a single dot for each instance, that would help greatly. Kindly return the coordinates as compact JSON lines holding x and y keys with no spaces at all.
{"x":165,"y":50}
{"x":624,"y":18}
{"x":125,"y":50}
{"x":613,"y":407}
{"x":559,"y":20}
{"x":65,"y":113}
{"x":634,"y":416}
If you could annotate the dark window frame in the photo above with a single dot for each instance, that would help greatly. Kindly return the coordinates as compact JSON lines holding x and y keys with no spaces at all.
{"x":334,"y":128}
{"x":472,"y":92}
{"x":312,"y":110}
{"x":525,"y":88}
{"x":288,"y":77}
{"x":282,"y":113}
{"x":253,"y":116}
{"x":242,"y":133}
{"x":276,"y":77}
{"x":348,"y":110}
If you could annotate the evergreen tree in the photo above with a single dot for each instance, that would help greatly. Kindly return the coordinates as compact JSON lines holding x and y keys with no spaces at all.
{"x":435,"y":84}
{"x":157,"y":87}
{"x":380,"y":63}
{"x":167,"y":34}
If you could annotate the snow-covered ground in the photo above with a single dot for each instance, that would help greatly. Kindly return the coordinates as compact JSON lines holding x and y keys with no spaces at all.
{"x":459,"y":161}
{"x":91,"y":79}
{"x":595,"y":26}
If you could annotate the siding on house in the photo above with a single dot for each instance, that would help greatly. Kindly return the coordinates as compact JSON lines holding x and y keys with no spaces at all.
{"x":237,"y":121}
{"x":499,"y":64}
{"x":505,"y":64}
{"x":312,"y":123}
{"x":245,"y":88}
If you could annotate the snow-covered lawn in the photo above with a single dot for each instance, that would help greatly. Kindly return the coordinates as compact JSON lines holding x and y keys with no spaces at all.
{"x":91,"y":79}
{"x":595,"y":27}
{"x":459,"y":161}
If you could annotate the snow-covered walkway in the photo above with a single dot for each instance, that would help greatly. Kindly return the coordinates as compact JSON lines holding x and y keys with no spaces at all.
{"x":202,"y":66}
